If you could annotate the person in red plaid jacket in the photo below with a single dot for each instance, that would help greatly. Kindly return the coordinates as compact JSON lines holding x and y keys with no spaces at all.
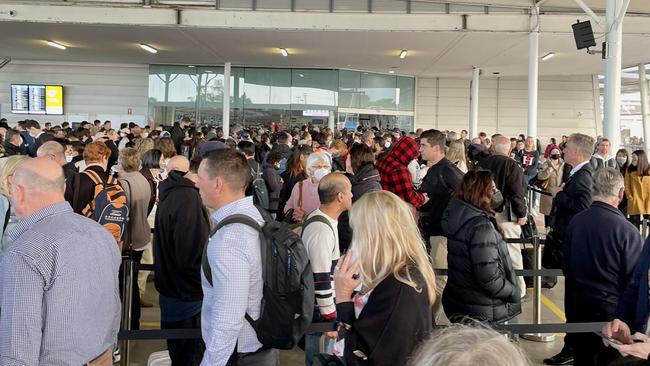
{"x":394,"y":173}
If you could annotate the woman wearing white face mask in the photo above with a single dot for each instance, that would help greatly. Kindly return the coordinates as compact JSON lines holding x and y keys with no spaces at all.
{"x":304,"y":196}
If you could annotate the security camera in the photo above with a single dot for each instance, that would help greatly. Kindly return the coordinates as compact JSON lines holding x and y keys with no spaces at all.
{"x":12,"y":13}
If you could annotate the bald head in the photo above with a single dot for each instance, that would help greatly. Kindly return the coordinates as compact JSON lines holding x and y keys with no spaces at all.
{"x":178,"y":163}
{"x":40,"y":175}
{"x":331,"y":185}
{"x":501,"y":145}
{"x":52,"y":150}
{"x":37,"y":184}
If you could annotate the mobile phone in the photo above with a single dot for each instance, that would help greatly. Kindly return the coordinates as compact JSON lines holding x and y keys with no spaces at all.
{"x":610,"y":340}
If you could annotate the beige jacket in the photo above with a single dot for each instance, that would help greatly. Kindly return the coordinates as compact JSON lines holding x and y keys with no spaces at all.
{"x":138,"y":194}
{"x":554,"y":173}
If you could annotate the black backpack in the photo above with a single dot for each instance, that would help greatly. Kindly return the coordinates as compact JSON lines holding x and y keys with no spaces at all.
{"x":259,"y":189}
{"x":288,"y":295}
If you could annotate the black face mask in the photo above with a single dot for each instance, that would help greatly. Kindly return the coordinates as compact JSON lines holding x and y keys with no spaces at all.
{"x":497,"y":199}
{"x":555,"y":156}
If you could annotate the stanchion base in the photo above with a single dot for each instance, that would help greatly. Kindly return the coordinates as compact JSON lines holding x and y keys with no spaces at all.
{"x":538,"y":337}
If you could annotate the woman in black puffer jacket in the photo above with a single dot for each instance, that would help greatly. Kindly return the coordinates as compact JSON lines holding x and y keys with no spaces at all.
{"x":481,"y":281}
{"x":365,"y":179}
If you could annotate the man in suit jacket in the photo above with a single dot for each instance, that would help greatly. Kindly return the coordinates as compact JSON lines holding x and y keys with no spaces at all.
{"x":569,"y":199}
{"x":39,"y":136}
{"x":601,"y":250}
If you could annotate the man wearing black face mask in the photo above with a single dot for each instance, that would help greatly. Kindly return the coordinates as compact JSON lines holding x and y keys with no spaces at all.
{"x":508,"y":177}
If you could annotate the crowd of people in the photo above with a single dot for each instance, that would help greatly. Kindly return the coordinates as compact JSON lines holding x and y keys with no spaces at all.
{"x":255,"y":234}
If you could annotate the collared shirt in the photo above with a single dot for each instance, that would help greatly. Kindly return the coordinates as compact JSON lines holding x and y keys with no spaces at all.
{"x":578,"y":167}
{"x":236,"y":263}
{"x":59,"y":297}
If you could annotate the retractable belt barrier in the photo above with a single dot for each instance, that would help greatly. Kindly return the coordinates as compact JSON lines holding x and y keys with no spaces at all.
{"x":157,"y":334}
{"x":536,"y":329}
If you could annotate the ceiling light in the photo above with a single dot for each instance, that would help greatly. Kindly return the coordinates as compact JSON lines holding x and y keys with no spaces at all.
{"x":57,"y":45}
{"x":403,"y":54}
{"x":391,"y":71}
{"x":191,"y":66}
{"x":284,"y":52}
{"x":301,"y":75}
{"x":148,"y":48}
{"x":548,"y":56}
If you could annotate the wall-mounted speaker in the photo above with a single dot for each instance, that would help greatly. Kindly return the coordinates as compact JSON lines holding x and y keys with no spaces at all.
{"x":583,"y":35}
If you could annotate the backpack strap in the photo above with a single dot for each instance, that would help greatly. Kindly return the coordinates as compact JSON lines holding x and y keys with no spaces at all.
{"x":233,"y":219}
{"x":317,"y":218}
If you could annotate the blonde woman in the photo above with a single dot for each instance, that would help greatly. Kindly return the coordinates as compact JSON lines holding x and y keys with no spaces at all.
{"x":385,"y":286}
{"x":7,"y":215}
{"x":456,"y":154}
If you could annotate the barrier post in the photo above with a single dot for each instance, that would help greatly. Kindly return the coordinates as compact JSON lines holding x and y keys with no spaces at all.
{"x":127,"y":299}
{"x":537,"y":297}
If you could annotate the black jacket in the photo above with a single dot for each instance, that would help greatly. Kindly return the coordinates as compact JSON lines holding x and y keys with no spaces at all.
{"x":338,"y":164}
{"x":273,"y":185}
{"x":601,"y":250}
{"x":391,"y":326}
{"x":366,"y":180}
{"x":481,"y":282}
{"x":11,"y":150}
{"x":152,"y":186}
{"x":439,"y":192}
{"x":115,"y":152}
{"x":509,"y":179}
{"x":181,"y":232}
{"x":574,"y":198}
{"x":177,"y":135}
{"x":86,"y":188}
{"x":43,"y":138}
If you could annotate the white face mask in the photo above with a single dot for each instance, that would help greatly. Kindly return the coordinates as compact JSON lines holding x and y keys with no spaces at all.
{"x":387,"y":144}
{"x":68,"y":158}
{"x":320,"y":173}
{"x":621,"y":160}
{"x":145,"y":135}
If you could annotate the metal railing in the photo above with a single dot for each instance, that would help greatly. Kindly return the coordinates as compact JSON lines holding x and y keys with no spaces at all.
{"x":536,"y":331}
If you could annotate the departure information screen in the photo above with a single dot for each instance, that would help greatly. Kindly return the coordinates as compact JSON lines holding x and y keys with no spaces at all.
{"x":36,"y":99}
{"x":19,"y":98}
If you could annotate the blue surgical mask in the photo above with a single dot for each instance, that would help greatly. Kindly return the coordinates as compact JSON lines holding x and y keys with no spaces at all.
{"x":68,"y":158}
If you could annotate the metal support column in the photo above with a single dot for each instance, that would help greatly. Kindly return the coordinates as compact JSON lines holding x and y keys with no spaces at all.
{"x":615,"y":12}
{"x":533,"y":73}
{"x":226,"y":100}
{"x":127,"y":300}
{"x":645,"y":106}
{"x":473,"y":103}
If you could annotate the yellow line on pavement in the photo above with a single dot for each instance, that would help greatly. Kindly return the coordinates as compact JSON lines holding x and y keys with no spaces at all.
{"x":553,"y":308}
{"x":150,"y":325}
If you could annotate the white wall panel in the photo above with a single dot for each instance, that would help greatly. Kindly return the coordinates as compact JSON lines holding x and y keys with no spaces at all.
{"x":92,"y":89}
{"x":566,"y":105}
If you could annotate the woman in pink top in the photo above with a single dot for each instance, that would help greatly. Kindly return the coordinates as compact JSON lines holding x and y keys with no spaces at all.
{"x":304,"y":196}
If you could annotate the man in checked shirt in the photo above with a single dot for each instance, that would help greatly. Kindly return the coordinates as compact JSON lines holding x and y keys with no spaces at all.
{"x":59,"y":301}
{"x":394,"y":173}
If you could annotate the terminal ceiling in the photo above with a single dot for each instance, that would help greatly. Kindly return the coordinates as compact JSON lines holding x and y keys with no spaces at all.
{"x":432,"y":52}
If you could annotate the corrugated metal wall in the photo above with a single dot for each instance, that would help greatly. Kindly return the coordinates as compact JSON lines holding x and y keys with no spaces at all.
{"x":567,"y":104}
{"x":95,"y":90}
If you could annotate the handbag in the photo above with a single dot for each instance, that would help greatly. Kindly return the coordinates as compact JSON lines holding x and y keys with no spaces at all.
{"x":288,"y":217}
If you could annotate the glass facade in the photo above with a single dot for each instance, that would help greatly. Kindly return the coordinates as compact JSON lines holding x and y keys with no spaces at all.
{"x":285,"y":97}
{"x":631,"y":116}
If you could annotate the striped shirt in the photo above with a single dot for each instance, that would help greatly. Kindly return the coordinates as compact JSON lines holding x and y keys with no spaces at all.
{"x":322,"y":244}
{"x":59,"y":299}
{"x":236,"y":262}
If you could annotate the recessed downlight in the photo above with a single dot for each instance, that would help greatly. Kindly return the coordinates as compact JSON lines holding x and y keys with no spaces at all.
{"x":283,"y":52}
